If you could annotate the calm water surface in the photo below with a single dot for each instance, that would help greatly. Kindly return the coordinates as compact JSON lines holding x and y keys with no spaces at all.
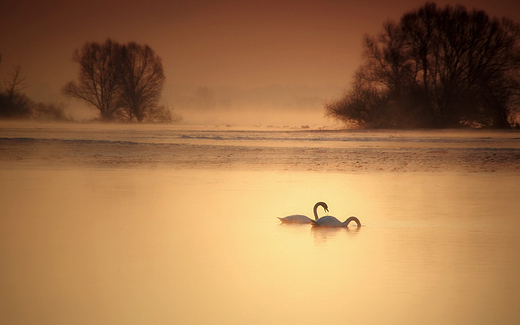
{"x":203,"y":246}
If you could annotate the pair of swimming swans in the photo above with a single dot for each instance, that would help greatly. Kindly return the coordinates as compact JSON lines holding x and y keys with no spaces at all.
{"x":326,"y":221}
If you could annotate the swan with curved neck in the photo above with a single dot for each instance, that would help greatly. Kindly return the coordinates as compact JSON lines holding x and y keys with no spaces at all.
{"x":330,"y":221}
{"x":298,"y":218}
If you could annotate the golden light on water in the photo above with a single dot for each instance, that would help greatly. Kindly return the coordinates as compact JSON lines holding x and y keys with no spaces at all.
{"x":205,"y":246}
{"x":177,"y":224}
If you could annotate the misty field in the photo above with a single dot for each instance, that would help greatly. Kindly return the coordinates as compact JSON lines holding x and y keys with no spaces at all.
{"x":157,"y":224}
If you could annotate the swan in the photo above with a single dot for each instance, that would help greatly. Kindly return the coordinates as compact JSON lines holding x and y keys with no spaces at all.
{"x":330,"y":221}
{"x":298,"y":218}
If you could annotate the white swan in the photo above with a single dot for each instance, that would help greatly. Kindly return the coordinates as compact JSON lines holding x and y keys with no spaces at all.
{"x":330,"y":221}
{"x":298,"y":218}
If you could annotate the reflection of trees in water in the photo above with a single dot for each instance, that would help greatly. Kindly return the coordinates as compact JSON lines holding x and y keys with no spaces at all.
{"x":323,"y":234}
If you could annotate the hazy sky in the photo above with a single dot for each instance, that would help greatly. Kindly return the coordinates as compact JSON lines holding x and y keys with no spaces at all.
{"x":206,"y":43}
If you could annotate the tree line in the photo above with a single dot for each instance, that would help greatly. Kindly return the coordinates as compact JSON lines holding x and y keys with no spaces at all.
{"x":436,"y":68}
{"x":123,"y":81}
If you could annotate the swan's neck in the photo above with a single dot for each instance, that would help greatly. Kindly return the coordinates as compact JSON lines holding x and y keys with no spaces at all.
{"x":316,"y":211}
{"x":322,"y":204}
{"x":349,"y":220}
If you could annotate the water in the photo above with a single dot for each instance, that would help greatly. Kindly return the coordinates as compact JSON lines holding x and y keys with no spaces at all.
{"x":166,"y":225}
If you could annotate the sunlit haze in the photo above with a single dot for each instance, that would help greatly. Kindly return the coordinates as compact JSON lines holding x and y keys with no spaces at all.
{"x":258,"y":58}
{"x":180,"y":223}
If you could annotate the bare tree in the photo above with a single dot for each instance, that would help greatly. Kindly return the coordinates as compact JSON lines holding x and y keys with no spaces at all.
{"x":13,"y":103}
{"x":99,"y":77}
{"x":15,"y":84}
{"x":141,"y":80}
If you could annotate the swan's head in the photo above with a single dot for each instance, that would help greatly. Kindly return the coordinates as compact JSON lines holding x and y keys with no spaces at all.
{"x":324,"y":205}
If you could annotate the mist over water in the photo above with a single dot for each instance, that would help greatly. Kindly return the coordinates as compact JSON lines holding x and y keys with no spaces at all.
{"x":274,"y":105}
{"x":266,"y":117}
{"x":156,"y":224}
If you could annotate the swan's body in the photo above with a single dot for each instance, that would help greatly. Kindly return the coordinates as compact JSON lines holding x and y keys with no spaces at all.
{"x":299,"y":218}
{"x":295,"y":218}
{"x":330,"y":221}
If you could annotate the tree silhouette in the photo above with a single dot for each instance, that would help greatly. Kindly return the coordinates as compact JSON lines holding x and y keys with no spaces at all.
{"x":98,"y":77}
{"x":13,"y":103}
{"x":437,"y":68}
{"x":121,"y":81}
{"x":141,"y":80}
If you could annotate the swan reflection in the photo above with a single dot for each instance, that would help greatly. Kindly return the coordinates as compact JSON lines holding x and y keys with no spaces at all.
{"x":323,"y":234}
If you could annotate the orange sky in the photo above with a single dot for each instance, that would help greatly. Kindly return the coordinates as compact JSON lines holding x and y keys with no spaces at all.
{"x":206,"y":43}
